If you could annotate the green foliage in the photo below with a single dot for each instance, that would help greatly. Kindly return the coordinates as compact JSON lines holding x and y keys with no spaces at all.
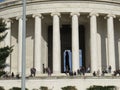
{"x":3,"y":36}
{"x":17,"y":88}
{"x":2,"y":88}
{"x":95,"y":88}
{"x":43,"y":88}
{"x":69,"y":88}
{"x":4,"y":51}
{"x":2,"y":73}
{"x":2,"y":29}
{"x":2,"y":26}
{"x":110,"y":87}
{"x":101,"y":88}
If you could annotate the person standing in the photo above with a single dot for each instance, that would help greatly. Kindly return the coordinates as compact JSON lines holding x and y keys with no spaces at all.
{"x":109,"y":69}
{"x":67,"y":62}
{"x":49,"y":71}
{"x":33,"y":71}
{"x":43,"y":68}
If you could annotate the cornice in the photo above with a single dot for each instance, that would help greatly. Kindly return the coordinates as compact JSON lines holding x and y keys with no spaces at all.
{"x":10,"y":2}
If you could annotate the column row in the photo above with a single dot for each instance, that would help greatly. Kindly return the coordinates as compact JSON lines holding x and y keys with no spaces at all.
{"x":110,"y":43}
{"x":57,"y":42}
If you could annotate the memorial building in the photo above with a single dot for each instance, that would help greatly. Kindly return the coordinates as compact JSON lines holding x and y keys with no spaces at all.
{"x":62,"y":34}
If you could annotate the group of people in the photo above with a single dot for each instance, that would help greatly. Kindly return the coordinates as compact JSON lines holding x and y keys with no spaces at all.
{"x":10,"y":75}
{"x":45,"y":70}
{"x":117,"y":72}
{"x":33,"y":72}
{"x":104,"y":71}
{"x":96,"y":73}
{"x":107,"y":71}
{"x":80,"y":71}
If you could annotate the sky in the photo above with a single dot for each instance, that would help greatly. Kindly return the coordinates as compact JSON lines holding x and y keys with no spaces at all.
{"x":1,"y":0}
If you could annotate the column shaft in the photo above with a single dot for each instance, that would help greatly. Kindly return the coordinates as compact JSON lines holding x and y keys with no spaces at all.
{"x":75,"y":41}
{"x":8,"y":43}
{"x":93,"y":42}
{"x":37,"y":44}
{"x":56,"y":44}
{"x":111,"y":46}
{"x":19,"y":44}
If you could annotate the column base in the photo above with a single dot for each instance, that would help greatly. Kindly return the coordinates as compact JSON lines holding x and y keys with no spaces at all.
{"x":58,"y":74}
{"x":46,"y":75}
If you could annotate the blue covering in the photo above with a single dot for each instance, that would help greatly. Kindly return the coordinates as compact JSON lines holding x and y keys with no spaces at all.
{"x":80,"y":58}
{"x":70,"y":59}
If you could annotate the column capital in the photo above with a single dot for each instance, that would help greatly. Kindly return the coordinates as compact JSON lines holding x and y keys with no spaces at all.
{"x":55,"y":13}
{"x":7,"y":20}
{"x":94,"y":14}
{"x":18,"y":17}
{"x":37,"y":15}
{"x":75,"y":13}
{"x":111,"y":15}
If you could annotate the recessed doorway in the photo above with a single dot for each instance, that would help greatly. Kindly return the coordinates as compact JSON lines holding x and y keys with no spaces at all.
{"x":66,"y":46}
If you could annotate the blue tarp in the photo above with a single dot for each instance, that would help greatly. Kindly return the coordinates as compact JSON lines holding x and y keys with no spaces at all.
{"x":70,"y":59}
{"x":80,"y":58}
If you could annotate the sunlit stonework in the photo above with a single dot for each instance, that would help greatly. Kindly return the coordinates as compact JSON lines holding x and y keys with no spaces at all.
{"x":88,"y":30}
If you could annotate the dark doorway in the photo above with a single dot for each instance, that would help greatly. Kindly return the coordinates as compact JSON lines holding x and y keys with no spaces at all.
{"x":65,"y":33}
{"x":82,"y":43}
{"x":66,"y":44}
{"x":50,"y":44}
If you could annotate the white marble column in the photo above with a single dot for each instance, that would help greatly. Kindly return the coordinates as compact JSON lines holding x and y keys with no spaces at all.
{"x":37,"y":43}
{"x":56,"y":44}
{"x":93,"y":42}
{"x":75,"y":41}
{"x":8,"y":43}
{"x":111,"y":46}
{"x":19,"y":44}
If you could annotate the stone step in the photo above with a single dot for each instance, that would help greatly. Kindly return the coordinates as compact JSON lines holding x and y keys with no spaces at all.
{"x":63,"y":74}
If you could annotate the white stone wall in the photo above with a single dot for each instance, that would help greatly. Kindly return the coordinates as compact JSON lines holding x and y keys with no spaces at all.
{"x":14,"y":42}
{"x":57,"y":84}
